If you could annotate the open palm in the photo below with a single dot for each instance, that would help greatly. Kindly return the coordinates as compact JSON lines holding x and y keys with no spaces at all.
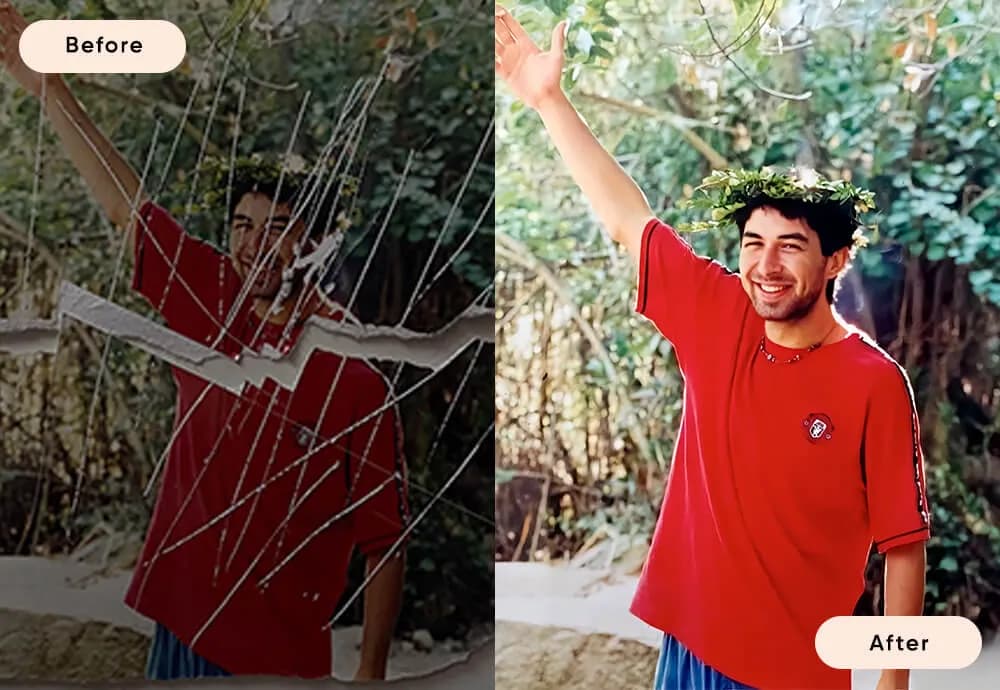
{"x":532,"y":75}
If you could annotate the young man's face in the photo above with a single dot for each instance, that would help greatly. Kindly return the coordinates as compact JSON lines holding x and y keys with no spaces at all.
{"x":252,"y":241}
{"x":782,"y":266}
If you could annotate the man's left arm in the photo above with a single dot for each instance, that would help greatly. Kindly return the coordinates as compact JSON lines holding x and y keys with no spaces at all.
{"x":379,"y":483}
{"x":898,"y":512}
{"x":905,"y":574}
{"x":383,"y":600}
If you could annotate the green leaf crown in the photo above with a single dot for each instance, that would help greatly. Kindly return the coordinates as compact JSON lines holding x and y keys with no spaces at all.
{"x":725,"y":192}
{"x":221,"y":175}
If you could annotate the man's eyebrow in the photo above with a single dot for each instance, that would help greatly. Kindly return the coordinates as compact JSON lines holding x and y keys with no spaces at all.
{"x":248,"y":219}
{"x":787,"y":236}
{"x":794,"y":236}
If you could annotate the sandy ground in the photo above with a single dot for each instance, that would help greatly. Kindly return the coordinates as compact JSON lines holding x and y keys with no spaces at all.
{"x":560,"y":628}
{"x":61,"y":621}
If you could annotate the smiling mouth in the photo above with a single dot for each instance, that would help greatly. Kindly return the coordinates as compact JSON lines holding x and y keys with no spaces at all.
{"x":772,"y":291}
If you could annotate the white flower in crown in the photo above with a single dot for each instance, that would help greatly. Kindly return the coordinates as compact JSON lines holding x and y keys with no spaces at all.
{"x":295,"y":164}
{"x":805,"y":177}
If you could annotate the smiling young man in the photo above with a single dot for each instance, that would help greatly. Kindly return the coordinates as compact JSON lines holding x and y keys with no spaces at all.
{"x":266,"y":495}
{"x":799,"y":446}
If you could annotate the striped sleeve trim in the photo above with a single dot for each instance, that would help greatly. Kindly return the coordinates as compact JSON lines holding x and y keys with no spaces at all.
{"x":918,"y":483}
{"x":644,"y":265}
{"x":914,"y":535}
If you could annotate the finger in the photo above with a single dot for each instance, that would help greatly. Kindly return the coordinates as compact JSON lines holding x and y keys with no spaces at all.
{"x":503,"y":26}
{"x":499,"y":46}
{"x":501,"y":69}
{"x":499,"y":36}
{"x":559,"y":38}
{"x":517,"y":32}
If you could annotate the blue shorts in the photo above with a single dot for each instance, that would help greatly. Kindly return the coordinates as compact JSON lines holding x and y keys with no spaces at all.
{"x":169,"y":658}
{"x":679,"y":669}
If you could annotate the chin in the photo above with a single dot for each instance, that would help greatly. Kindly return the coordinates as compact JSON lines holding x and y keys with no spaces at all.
{"x":787,"y":311}
{"x":268,"y":292}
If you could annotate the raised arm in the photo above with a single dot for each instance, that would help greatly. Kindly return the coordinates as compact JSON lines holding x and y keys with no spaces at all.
{"x":534,"y":78}
{"x":110,"y":178}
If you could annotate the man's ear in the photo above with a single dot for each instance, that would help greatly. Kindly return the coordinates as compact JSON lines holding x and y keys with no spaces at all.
{"x":835,"y":262}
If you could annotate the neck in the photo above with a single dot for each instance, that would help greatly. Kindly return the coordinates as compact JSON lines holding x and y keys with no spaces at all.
{"x":819,"y":325}
{"x":266,"y":311}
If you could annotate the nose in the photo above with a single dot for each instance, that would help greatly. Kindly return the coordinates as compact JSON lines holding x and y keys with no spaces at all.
{"x":770,"y":260}
{"x":252,"y":242}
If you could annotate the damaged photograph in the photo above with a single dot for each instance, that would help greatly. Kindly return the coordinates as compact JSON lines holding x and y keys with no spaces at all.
{"x":748,"y":364}
{"x":246,"y":349}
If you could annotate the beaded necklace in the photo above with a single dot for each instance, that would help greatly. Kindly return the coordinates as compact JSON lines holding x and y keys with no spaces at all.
{"x":812,"y":348}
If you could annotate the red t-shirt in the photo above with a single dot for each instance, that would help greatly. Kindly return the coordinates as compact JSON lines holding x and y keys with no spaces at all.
{"x":201,"y":567}
{"x":783,"y":477}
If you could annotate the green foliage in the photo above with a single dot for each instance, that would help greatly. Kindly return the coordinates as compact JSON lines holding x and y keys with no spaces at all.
{"x":963,"y":553}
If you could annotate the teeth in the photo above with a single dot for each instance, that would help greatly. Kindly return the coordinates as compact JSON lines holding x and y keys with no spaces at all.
{"x":772,"y":288}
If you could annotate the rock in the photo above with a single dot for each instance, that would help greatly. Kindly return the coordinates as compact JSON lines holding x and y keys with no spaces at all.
{"x":423,"y":640}
{"x":56,"y":648}
{"x":532,"y":657}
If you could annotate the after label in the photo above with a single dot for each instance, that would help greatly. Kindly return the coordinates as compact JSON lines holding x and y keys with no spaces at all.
{"x":897,"y":643}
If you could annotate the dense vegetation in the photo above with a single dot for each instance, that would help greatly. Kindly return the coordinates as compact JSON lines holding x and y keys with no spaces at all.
{"x":897,"y":97}
{"x":434,"y":101}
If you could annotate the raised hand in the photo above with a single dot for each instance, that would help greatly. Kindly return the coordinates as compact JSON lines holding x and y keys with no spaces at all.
{"x":532,"y":75}
{"x":12,"y":24}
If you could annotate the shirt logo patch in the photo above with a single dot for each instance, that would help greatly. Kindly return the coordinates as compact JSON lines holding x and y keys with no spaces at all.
{"x":818,"y":427}
{"x":303,"y":436}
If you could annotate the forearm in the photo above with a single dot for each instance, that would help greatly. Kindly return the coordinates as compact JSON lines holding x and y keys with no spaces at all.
{"x":383,"y":599}
{"x":905,"y":568}
{"x":110,"y":178}
{"x":616,"y":199}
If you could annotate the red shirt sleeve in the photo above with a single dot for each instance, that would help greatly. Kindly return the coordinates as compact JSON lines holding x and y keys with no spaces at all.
{"x":894,"y":464}
{"x":679,"y":290}
{"x":181,"y":277}
{"x":378,"y":469}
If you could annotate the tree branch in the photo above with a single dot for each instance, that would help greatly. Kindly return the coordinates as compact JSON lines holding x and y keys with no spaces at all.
{"x":678,"y":122}
{"x":11,"y":229}
{"x":138,"y":99}
{"x":725,"y":53}
{"x":517,"y":252}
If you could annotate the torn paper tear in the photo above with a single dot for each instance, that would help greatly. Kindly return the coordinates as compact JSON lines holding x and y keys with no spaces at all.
{"x":425,"y":350}
{"x":28,"y":336}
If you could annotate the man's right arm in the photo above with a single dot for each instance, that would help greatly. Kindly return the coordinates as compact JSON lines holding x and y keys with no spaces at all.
{"x":108,"y":175}
{"x":615,"y":197}
{"x":535,"y":78}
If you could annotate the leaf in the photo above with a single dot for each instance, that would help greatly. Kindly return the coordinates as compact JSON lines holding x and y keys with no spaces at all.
{"x":936,"y":253}
{"x":980,"y":278}
{"x":951,"y":43}
{"x":931,"y":26}
{"x":948,"y":564}
{"x":584,"y":41}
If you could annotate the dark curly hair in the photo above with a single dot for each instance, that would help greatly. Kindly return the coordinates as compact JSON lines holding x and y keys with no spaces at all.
{"x":834,"y":222}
